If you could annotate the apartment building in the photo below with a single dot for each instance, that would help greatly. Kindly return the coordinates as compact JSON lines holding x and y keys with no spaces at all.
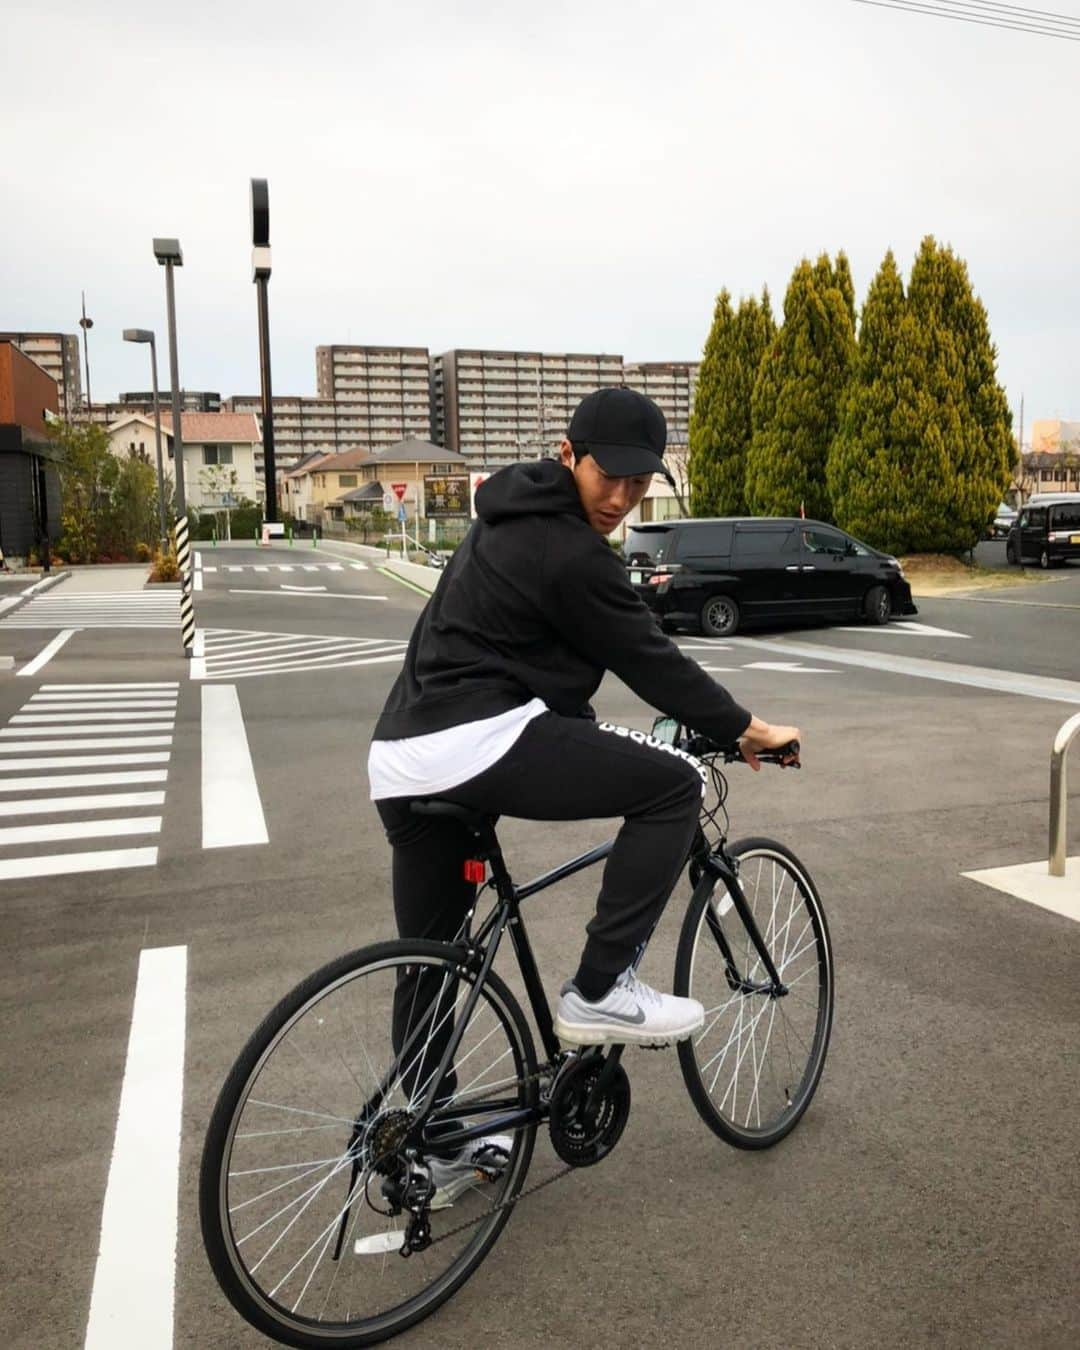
{"x":302,"y":425}
{"x":58,"y":356}
{"x":497,"y":406}
{"x":381,"y":395}
{"x":1052,"y":435}
{"x":671,"y":385}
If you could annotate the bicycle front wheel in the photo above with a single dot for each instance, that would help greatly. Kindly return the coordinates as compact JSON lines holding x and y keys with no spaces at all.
{"x":755,"y":1065}
{"x":306,"y":1149}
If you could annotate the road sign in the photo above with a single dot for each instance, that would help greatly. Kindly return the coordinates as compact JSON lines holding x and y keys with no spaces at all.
{"x":388,"y":500}
{"x":401,"y":513}
{"x":399,"y":490}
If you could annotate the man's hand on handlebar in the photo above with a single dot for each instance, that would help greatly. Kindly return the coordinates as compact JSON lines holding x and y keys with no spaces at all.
{"x":760,"y":736}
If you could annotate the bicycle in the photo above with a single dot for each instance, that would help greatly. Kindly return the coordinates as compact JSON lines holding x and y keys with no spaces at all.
{"x":316,"y":1179}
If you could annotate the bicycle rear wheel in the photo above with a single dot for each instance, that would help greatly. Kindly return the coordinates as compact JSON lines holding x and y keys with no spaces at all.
{"x":307,"y":1139}
{"x":755,"y":1065}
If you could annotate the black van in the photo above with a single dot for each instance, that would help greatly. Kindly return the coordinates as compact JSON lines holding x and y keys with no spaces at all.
{"x":1047,"y":529}
{"x":721,"y":574}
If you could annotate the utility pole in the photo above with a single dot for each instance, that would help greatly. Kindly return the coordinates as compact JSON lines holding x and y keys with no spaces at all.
{"x":85,"y":324}
{"x":1020,"y":457}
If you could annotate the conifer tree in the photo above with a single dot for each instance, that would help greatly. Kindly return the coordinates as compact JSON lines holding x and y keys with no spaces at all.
{"x":720,"y":421}
{"x":965,"y":414}
{"x":795,"y":406}
{"x":867,"y":460}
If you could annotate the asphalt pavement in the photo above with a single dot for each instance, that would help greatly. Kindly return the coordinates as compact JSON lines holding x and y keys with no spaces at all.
{"x":930,"y":1195}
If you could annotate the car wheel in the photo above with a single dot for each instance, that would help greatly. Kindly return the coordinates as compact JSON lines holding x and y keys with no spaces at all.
{"x":877,"y":606}
{"x":1010,"y":555}
{"x":719,"y":616}
{"x":1044,"y":560}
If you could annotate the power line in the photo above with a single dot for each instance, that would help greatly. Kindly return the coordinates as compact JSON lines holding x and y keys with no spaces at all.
{"x":982,"y":22}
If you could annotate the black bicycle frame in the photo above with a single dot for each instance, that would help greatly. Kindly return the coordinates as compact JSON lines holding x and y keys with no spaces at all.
{"x":716,"y":865}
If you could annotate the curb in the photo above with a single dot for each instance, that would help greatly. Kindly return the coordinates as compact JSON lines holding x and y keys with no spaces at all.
{"x":30,"y":591}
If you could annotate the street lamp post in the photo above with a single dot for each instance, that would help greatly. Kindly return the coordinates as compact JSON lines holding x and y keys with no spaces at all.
{"x":145,"y":335}
{"x":260,"y":266}
{"x":169,"y":255}
{"x":86,"y":324}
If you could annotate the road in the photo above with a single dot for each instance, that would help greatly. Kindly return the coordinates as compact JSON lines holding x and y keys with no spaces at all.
{"x":929,"y":1197}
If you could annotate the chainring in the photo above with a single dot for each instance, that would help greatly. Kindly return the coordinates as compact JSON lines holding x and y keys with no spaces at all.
{"x":581,"y":1135}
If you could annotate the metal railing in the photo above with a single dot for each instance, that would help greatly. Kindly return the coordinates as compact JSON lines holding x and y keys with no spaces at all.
{"x":1059,"y":793}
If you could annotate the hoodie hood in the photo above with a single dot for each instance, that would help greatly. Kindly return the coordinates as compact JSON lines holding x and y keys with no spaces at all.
{"x":543,"y":488}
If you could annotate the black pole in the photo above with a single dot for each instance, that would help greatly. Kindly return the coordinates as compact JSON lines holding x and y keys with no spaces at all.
{"x":260,"y":266}
{"x":44,"y":542}
{"x":262,"y":285}
{"x":174,"y":378}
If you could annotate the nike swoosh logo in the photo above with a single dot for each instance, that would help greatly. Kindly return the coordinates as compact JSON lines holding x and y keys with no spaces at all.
{"x":634,"y":1020}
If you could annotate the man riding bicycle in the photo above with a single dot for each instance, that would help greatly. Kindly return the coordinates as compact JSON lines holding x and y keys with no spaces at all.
{"x":491,"y":710}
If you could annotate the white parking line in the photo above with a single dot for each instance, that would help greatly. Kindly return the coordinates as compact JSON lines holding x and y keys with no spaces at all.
{"x":232,"y":811}
{"x":48,"y":652}
{"x":135,"y":1277}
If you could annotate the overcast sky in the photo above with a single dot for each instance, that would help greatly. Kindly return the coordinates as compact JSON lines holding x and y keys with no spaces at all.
{"x":556,"y":176}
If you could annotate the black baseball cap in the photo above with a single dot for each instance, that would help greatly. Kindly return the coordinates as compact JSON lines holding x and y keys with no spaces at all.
{"x":624,"y":431}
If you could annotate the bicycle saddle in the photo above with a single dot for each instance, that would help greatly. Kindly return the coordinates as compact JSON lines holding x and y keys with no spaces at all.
{"x":477,"y":821}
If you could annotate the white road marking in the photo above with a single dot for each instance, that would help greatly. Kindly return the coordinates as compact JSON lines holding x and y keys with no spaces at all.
{"x":132,"y":717}
{"x":77,"y":730}
{"x":719,"y":670}
{"x":261,"y":569}
{"x":148,"y":684}
{"x":234,"y":569}
{"x":286,"y":587}
{"x":334,"y":567}
{"x":285,"y":567}
{"x":107,"y":698}
{"x":794,"y":667}
{"x":902,"y":628}
{"x":62,"y":864}
{"x":48,"y":652}
{"x":313,"y":595}
{"x":232,"y":811}
{"x":94,"y":801}
{"x":310,"y":567}
{"x":94,"y":743}
{"x":1032,"y":882}
{"x":135,"y":1278}
{"x":83,"y":761}
{"x":70,"y":780}
{"x":209,"y":569}
{"x":358,"y":567}
{"x":79,"y":829}
{"x":164,"y":705}
{"x":306,"y":665}
{"x":974,"y":677}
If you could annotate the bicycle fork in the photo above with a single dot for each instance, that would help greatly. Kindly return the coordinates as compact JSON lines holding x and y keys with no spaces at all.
{"x":717,"y":868}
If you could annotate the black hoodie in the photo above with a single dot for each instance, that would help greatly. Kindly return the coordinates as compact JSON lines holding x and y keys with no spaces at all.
{"x":535,"y":603}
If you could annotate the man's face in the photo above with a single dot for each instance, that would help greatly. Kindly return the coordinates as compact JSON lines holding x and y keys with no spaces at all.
{"x":606,"y":501}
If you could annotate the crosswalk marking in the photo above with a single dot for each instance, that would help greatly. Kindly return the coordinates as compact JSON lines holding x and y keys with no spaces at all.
{"x":48,"y":769}
{"x":59,"y":864}
{"x":79,"y":829}
{"x":231,"y":654}
{"x":286,"y":567}
{"x":91,"y":801}
{"x":121,"y":609}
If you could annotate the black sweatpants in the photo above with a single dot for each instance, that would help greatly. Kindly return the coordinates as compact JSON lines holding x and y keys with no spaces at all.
{"x":560,"y":768}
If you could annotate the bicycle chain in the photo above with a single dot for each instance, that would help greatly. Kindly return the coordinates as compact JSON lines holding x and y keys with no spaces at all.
{"x":543,"y":1071}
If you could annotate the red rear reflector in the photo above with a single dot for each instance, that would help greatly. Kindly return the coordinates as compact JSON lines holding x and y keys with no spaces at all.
{"x":474,"y":870}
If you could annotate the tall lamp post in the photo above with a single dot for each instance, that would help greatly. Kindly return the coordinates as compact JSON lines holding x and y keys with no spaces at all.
{"x":169,"y":255}
{"x":86,"y":324}
{"x":260,"y":266}
{"x":146,"y":335}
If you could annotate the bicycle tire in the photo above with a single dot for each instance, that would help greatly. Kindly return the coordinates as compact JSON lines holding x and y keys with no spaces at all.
{"x":805,"y":965}
{"x":237,"y":1273}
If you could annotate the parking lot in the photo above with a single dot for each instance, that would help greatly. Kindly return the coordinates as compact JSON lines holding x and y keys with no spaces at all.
{"x":930,"y":1195}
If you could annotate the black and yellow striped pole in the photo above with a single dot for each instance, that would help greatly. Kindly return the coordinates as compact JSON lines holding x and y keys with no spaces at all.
{"x":187,"y":611}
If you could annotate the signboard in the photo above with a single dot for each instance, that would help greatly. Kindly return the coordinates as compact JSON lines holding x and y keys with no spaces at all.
{"x":399,"y":490}
{"x":446,"y":494}
{"x":388,"y":500}
{"x":401,"y":514}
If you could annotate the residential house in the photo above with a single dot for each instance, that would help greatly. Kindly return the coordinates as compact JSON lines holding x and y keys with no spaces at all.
{"x":406,"y":463}
{"x":219,"y":454}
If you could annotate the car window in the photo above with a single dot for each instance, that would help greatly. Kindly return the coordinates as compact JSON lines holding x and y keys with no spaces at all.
{"x":1065,"y":517}
{"x":765,"y":543}
{"x":704,"y":541}
{"x":647,"y":547}
{"x":1022,"y":522}
{"x":817,"y":540}
{"x":1037,"y":518}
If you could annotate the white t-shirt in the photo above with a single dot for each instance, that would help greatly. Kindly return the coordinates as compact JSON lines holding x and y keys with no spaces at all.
{"x":422,"y":766}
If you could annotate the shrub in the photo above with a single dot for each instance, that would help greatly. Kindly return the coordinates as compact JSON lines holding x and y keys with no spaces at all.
{"x":165,"y":567}
{"x":143,"y":552}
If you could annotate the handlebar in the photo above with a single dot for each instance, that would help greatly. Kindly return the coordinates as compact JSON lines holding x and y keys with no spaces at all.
{"x":786,"y":756}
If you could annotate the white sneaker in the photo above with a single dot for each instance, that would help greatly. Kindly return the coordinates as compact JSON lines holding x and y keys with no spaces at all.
{"x":630,"y":1013}
{"x":479,"y":1163}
